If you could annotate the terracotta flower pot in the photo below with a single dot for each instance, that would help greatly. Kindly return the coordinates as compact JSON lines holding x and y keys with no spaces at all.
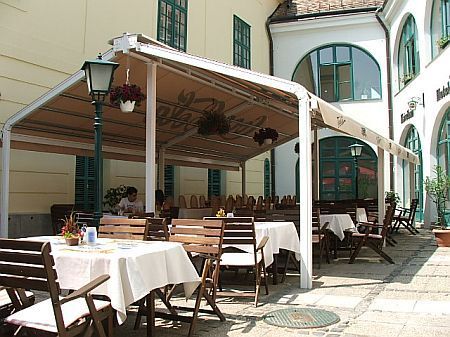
{"x":442,"y":237}
{"x":73,"y":241}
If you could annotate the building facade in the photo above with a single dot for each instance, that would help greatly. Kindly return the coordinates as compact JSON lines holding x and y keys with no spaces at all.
{"x":43,"y":43}
{"x":384,"y":63}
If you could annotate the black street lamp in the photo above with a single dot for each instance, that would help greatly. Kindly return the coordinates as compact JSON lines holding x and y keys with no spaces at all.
{"x":356,"y":150}
{"x":99,"y":76}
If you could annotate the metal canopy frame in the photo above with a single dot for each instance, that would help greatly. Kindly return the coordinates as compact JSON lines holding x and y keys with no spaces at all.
{"x":61,"y":122}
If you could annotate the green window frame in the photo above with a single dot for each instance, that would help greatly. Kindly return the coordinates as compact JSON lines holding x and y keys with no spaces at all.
{"x":337,"y":170}
{"x":408,"y":53}
{"x":241,"y":43}
{"x":172,"y":23}
{"x":84,"y":183}
{"x":445,"y":16}
{"x":443,"y":149}
{"x":412,"y":142}
{"x":214,"y":183}
{"x":266,"y":178}
{"x":340,"y":72}
{"x":169,"y":181}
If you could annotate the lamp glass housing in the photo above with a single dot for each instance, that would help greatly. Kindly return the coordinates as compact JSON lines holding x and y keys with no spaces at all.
{"x":99,"y":77}
{"x":356,"y":150}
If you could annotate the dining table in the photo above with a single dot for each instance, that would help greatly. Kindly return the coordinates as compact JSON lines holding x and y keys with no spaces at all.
{"x":194,"y":213}
{"x":338,"y":223}
{"x":135,"y":268}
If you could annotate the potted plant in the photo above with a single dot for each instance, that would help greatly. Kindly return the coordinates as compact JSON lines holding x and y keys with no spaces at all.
{"x":442,"y":42}
{"x":391,"y":196}
{"x":70,"y":231}
{"x":265,"y":135}
{"x":113,"y":197}
{"x":213,"y":123}
{"x":406,"y":78}
{"x":437,"y":189}
{"x":126,"y":96}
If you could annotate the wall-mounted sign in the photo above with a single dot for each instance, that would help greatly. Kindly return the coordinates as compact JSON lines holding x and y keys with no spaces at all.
{"x":407,"y":115}
{"x":412,"y":106}
{"x":441,"y":93}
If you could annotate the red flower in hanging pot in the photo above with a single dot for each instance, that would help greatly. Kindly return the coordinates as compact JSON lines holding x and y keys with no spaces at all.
{"x":126,"y":92}
{"x":265,"y":133}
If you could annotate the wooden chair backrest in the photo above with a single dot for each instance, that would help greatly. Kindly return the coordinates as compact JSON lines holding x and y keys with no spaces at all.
{"x":156,"y":230}
{"x":238,"y":203}
{"x":412,"y":209}
{"x":388,"y":217}
{"x":259,"y":203}
{"x":238,"y":231}
{"x":215,"y":204}
{"x":268,"y":203}
{"x":251,"y":202}
{"x":198,"y":236}
{"x":194,"y":201}
{"x":30,"y":265}
{"x":202,"y":201}
{"x":122,"y":228}
{"x":182,"y":201}
{"x":244,"y":200}
{"x":229,"y":205}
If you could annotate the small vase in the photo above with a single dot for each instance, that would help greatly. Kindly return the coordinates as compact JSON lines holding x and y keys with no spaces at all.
{"x":127,"y":106}
{"x":268,"y":141}
{"x":73,"y":241}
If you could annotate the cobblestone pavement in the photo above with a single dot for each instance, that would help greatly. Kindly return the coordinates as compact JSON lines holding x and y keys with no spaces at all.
{"x":372,"y":298}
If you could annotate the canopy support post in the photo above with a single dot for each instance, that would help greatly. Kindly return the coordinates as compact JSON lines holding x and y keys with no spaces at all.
{"x":6,"y":158}
{"x":380,"y":169}
{"x":316,"y":186}
{"x":304,"y":140}
{"x":412,"y":181}
{"x":161,"y":167}
{"x":150,"y":139}
{"x":244,"y":179}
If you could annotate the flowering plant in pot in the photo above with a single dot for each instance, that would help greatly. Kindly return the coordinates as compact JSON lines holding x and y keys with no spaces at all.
{"x":213,"y":123}
{"x":126,"y":96}
{"x":265,"y":135}
{"x":71,"y":231}
{"x":113,"y":197}
{"x":437,"y":189}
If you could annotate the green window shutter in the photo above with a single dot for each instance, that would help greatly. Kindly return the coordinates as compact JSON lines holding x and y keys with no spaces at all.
{"x":445,"y":12}
{"x":214,"y":183}
{"x":172,"y":23}
{"x":84,"y":183}
{"x":266,"y":178}
{"x":241,"y":43}
{"x":169,"y":180}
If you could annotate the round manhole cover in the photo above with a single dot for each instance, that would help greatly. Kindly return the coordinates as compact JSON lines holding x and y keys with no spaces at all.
{"x":301,"y":318}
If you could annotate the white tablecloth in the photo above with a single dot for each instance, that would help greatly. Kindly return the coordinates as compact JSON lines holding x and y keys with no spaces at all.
{"x":338,"y":223}
{"x":194,"y":213}
{"x":281,"y":235}
{"x":135,"y":268}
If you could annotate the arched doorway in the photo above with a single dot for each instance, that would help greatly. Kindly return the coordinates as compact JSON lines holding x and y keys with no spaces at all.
{"x":413,"y":143}
{"x":337,"y":171}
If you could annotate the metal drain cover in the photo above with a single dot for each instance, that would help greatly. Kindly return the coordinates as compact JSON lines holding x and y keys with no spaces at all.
{"x":301,"y":318}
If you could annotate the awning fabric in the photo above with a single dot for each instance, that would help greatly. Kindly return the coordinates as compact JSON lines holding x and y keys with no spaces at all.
{"x":61,"y":121}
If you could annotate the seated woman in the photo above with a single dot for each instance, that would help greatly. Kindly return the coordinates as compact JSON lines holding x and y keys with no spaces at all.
{"x":130,"y":204}
{"x":159,"y":199}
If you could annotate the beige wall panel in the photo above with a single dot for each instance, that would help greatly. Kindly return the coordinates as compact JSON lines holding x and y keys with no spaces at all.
{"x":20,"y":92}
{"x":36,"y":203}
{"x":7,"y":109}
{"x":192,"y":181}
{"x":125,"y":173}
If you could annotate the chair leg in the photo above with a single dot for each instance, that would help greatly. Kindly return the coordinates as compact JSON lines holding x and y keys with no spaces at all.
{"x":380,"y":252}
{"x":357,"y":250}
{"x":265,"y":277}
{"x":258,"y":283}
{"x":137,"y":322}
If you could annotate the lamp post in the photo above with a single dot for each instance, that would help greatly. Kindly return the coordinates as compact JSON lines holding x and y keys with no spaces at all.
{"x":356,"y":150}
{"x":99,"y":77}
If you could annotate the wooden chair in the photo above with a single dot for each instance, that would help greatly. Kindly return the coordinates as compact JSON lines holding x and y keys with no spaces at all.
{"x":182,"y":201}
{"x":406,"y":217}
{"x":229,"y":205}
{"x":320,"y":236}
{"x":251,"y":202}
{"x":202,"y":201}
{"x":238,"y":232}
{"x":194,"y":201}
{"x":30,"y":265}
{"x":259,"y":203}
{"x":371,"y":240}
{"x":238,"y":203}
{"x":156,"y":229}
{"x":122,"y":228}
{"x":268,"y":203}
{"x":13,"y":300}
{"x":84,"y":219}
{"x":203,"y":239}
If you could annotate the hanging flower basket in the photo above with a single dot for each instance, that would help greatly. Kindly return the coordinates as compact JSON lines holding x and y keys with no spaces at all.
{"x":126,"y":96}
{"x":265,"y":136}
{"x":213,"y":123}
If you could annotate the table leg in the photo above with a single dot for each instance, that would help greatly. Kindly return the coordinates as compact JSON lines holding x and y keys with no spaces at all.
{"x":275,"y":269}
{"x":150,"y":300}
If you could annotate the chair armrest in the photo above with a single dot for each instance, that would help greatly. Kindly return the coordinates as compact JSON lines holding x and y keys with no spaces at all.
{"x":83,"y":291}
{"x":369,"y":224}
{"x":263,"y":242}
{"x":207,"y":256}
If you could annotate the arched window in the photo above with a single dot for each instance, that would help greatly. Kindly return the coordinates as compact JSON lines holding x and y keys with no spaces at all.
{"x":443,"y":149}
{"x":338,"y":170}
{"x":408,"y":53}
{"x":266,"y":178}
{"x":340,"y":73}
{"x":413,"y":143}
{"x":440,"y":25}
